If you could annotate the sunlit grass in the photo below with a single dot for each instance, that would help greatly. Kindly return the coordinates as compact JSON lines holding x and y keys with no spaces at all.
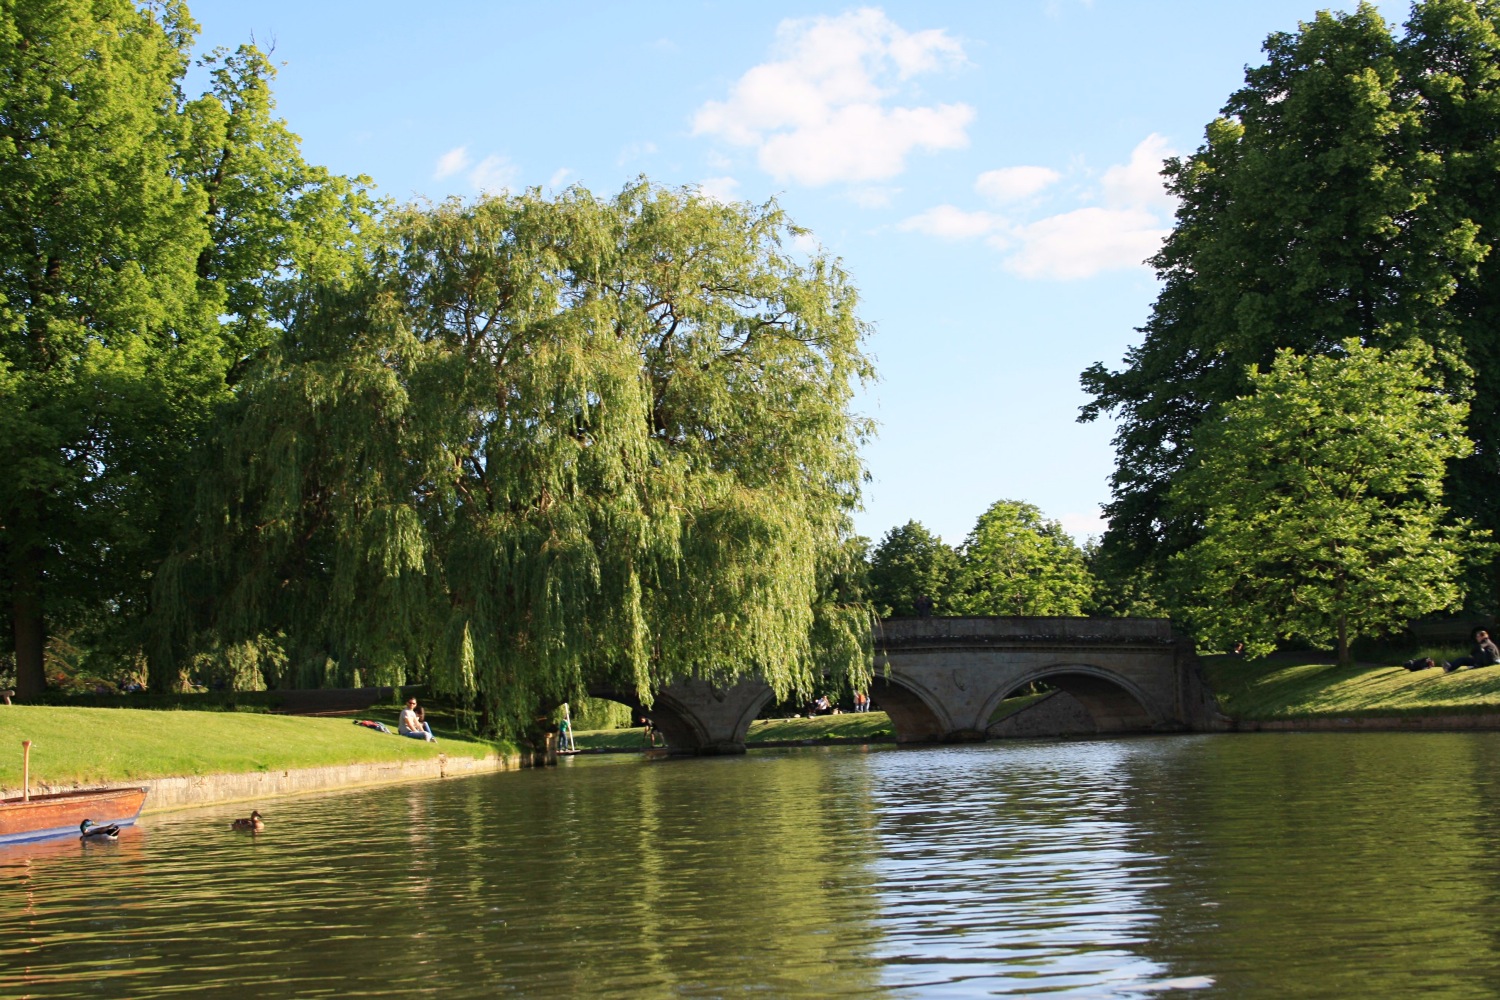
{"x":850,"y":726}
{"x":109,"y":745}
{"x":1307,"y":685}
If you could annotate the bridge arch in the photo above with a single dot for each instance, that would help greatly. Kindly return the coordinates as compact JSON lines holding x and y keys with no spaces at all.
{"x":698,"y":717}
{"x":1114,"y":702}
{"x":916,"y":714}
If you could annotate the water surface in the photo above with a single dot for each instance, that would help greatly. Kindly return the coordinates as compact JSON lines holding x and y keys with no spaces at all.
{"x":1274,"y":865}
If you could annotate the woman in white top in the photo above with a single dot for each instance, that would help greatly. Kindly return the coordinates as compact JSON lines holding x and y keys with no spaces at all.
{"x":410,"y":725}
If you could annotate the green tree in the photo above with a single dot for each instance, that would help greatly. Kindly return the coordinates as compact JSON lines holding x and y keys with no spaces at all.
{"x":545,"y":442}
{"x":1323,"y":498}
{"x":1017,"y":562}
{"x":1315,"y":211}
{"x":911,"y":561}
{"x":146,"y":243}
{"x":109,"y":359}
{"x":1123,"y":588}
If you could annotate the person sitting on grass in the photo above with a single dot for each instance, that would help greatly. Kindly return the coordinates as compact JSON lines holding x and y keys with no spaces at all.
{"x":412,"y":724}
{"x":1483,"y":654}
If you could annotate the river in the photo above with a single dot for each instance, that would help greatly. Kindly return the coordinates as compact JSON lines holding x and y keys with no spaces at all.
{"x":1271,"y":865}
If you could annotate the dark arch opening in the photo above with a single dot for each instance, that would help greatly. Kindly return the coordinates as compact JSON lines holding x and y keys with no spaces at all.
{"x":682,"y":737}
{"x":911,"y":719}
{"x":1084,"y":701}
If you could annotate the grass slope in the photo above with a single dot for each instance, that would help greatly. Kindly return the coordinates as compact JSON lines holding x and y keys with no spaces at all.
{"x":105,"y":745}
{"x":1306,"y":685}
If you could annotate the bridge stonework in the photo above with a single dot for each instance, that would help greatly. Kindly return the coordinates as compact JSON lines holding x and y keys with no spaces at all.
{"x":941,"y":679}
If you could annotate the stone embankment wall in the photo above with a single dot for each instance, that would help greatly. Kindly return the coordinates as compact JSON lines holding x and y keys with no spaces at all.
{"x":1409,"y":723}
{"x":209,"y":789}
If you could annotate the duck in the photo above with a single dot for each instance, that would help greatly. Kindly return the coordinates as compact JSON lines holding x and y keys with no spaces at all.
{"x":89,"y":831}
{"x":253,"y":822}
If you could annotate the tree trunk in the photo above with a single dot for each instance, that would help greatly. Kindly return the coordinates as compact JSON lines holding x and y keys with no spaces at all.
{"x":1345,"y":660}
{"x":29,"y":624}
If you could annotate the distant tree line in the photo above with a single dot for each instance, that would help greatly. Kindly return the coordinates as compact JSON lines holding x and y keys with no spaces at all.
{"x":1014,"y":562}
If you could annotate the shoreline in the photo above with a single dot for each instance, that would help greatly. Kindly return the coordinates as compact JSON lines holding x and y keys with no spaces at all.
{"x":1476,"y":722}
{"x":169,"y":794}
{"x":1437,"y":723}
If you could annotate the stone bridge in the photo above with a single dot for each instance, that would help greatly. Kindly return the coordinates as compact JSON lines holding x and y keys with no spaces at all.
{"x":941,"y":680}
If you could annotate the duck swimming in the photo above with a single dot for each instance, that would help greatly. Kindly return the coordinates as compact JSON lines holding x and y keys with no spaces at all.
{"x":89,"y":831}
{"x":253,"y":823}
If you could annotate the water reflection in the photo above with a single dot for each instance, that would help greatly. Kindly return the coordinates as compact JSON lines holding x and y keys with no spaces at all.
{"x":1258,"y":866}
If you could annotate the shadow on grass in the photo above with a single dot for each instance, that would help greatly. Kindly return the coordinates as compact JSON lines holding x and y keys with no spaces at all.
{"x":1307,"y":685}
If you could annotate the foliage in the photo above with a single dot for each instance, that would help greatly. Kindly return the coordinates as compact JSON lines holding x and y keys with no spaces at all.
{"x":1345,"y":191}
{"x":1016,"y":562}
{"x":144,"y":243}
{"x":543,"y":443}
{"x":1322,"y":500}
{"x":1123,"y":588}
{"x":911,"y":561}
{"x":599,"y":713}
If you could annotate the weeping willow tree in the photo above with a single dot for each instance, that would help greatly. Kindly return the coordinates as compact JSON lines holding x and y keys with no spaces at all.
{"x":544,"y":443}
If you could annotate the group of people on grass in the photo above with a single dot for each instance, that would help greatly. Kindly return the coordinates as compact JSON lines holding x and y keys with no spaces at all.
{"x":1484,"y":653}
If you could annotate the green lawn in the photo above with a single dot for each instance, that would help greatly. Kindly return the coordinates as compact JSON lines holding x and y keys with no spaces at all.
{"x":1289,"y":686}
{"x":99,"y":745}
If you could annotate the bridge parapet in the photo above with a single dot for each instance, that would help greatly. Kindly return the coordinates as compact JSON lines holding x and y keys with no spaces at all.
{"x":983,"y":630}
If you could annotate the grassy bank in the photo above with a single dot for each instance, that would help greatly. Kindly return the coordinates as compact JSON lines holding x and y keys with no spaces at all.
{"x":1306,"y":685}
{"x":100,"y":745}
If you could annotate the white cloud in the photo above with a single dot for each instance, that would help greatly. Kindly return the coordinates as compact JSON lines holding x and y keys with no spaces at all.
{"x":454,"y":161}
{"x":1086,"y":241}
{"x":723,"y":189}
{"x":949,"y":222}
{"x":1127,"y":229}
{"x":823,"y":112}
{"x":1138,"y":184}
{"x":495,"y":173}
{"x":560,"y":178}
{"x":1014,"y":183}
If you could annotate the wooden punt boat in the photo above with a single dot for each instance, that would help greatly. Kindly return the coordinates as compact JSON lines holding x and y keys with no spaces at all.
{"x":59,"y":814}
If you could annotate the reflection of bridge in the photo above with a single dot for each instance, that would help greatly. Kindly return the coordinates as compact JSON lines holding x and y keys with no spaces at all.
{"x":941,"y":680}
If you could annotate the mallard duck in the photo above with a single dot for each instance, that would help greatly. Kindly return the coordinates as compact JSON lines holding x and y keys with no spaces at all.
{"x":88,"y":830}
{"x":253,"y":823}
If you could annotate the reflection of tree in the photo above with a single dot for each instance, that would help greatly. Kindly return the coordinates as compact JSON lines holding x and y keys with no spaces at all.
{"x":1324,"y":864}
{"x":739,"y":874}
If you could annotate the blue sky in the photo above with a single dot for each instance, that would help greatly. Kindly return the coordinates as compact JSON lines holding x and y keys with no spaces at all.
{"x":986,"y":171}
